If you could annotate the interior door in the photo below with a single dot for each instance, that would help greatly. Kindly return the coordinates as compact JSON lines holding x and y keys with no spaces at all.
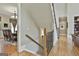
{"x":63,"y":25}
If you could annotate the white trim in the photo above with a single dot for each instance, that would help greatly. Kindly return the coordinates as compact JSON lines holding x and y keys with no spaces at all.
{"x":30,"y":51}
{"x":55,"y":37}
{"x":18,"y":27}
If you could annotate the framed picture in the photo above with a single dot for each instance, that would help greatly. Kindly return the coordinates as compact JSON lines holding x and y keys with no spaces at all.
{"x":5,"y":25}
{"x":76,"y":18}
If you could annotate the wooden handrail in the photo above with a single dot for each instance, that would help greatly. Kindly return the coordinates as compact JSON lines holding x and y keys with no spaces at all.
{"x":34,"y":41}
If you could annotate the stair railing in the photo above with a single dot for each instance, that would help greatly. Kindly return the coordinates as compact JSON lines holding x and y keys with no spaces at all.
{"x":34,"y":41}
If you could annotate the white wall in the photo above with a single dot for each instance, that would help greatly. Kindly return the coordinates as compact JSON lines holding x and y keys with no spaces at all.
{"x":69,"y":10}
{"x":55,"y":35}
{"x":26,"y":26}
{"x":4,"y":19}
{"x":60,"y":11}
{"x":41,"y":14}
{"x":72,"y":11}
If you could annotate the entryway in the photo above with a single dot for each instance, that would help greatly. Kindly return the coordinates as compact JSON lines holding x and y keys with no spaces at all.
{"x":63,"y":25}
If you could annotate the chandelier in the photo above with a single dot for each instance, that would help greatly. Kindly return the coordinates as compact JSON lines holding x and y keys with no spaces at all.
{"x":14,"y":16}
{"x":13,"y":21}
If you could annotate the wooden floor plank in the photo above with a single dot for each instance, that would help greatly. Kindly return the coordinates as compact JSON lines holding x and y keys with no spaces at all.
{"x":63,"y":48}
{"x":11,"y":50}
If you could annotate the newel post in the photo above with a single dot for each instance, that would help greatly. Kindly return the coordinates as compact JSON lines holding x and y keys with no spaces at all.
{"x":45,"y":43}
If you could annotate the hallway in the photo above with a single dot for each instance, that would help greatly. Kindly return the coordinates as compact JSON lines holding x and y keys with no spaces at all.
{"x":64,"y":47}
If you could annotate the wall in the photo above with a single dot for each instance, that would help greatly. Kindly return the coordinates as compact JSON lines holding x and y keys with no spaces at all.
{"x":4,"y":19}
{"x":69,"y":10}
{"x":72,"y":11}
{"x":41,"y":14}
{"x":26,"y":26}
{"x":60,"y":11}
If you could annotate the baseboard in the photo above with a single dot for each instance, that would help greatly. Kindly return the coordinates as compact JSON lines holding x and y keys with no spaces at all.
{"x":30,"y":52}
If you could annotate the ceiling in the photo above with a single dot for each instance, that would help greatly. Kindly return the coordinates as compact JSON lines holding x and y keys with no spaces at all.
{"x":7,"y":9}
{"x":41,"y":14}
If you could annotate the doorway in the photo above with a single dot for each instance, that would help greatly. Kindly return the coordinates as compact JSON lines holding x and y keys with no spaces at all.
{"x":63,"y":25}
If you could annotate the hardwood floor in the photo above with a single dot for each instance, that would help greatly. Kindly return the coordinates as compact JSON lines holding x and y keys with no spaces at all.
{"x":64,"y":47}
{"x":11,"y":50}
